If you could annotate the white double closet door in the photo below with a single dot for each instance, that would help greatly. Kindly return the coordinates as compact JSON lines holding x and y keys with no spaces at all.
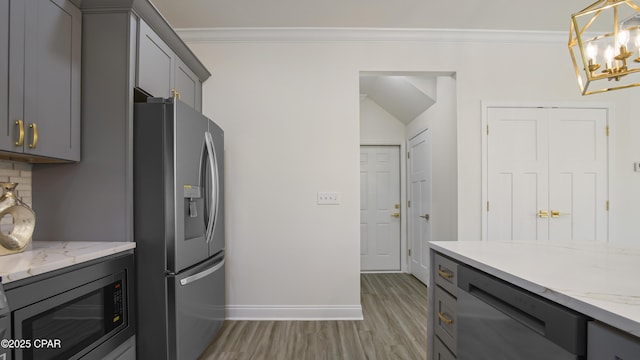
{"x":547,"y":174}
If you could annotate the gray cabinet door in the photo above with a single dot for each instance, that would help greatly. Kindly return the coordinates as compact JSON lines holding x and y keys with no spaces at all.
{"x":40,"y":107}
{"x":188,"y":85}
{"x":161,"y":73}
{"x":52,"y":79}
{"x":4,"y":70}
{"x":155,"y":63}
{"x":12,"y":70}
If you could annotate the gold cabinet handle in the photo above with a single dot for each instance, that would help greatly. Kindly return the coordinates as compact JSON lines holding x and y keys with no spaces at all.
{"x":34,"y":143}
{"x":444,"y":318}
{"x":20,"y":124}
{"x":543,"y":214}
{"x":396,"y":215}
{"x":425,"y":216}
{"x":445,"y":274}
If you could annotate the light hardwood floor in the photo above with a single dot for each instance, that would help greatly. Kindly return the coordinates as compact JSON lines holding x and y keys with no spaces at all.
{"x":394,"y":327}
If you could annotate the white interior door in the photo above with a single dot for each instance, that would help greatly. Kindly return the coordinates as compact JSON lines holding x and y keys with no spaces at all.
{"x":380,"y":208}
{"x":547,"y":174}
{"x":578,"y":174}
{"x":420,"y":216}
{"x":517,"y":173}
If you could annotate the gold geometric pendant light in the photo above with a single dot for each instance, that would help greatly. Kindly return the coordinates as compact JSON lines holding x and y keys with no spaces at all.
{"x":604,"y":43}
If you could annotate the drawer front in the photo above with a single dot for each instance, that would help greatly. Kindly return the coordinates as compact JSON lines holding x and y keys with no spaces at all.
{"x":446,"y":273}
{"x":446,"y":318}
{"x":440,"y":351}
{"x":605,"y":342}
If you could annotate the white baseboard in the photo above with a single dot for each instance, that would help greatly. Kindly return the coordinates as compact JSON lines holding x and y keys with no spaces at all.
{"x":294,"y":312}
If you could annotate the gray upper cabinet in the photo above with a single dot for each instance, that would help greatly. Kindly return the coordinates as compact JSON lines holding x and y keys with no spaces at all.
{"x":155,"y":63}
{"x":4,"y":66}
{"x":162,"y":73}
{"x":125,"y":45}
{"x":188,"y":85}
{"x":42,"y":121}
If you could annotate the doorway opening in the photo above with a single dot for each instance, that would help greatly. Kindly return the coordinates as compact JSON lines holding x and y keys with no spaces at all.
{"x":394,"y":108}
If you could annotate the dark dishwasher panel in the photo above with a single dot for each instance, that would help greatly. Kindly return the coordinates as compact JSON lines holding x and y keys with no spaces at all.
{"x":499,"y":321}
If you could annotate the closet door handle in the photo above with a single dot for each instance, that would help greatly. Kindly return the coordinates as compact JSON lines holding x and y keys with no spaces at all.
{"x":20,"y":125}
{"x":34,"y":143}
{"x":557,"y":213}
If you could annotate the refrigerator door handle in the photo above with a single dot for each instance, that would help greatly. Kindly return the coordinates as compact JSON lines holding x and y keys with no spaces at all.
{"x":195,"y":277}
{"x":213,"y":161}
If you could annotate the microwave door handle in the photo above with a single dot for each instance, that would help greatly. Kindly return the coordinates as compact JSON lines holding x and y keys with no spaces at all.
{"x":195,"y":277}
{"x":212,"y":194}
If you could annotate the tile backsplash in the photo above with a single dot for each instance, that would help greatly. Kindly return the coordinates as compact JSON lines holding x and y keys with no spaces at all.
{"x":20,"y":173}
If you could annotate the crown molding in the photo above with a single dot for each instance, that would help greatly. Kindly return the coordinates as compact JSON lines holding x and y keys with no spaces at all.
{"x":209,"y":35}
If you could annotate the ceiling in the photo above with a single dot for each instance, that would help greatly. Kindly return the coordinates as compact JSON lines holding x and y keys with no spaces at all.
{"x":403,"y":96}
{"x":549,"y":15}
{"x":399,"y":95}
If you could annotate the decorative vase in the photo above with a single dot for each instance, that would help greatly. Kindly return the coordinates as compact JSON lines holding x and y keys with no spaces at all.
{"x":17,"y":221}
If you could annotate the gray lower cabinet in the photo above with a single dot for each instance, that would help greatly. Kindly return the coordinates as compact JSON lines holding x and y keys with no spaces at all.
{"x":40,"y":111}
{"x":603,"y":340}
{"x":162,"y":73}
{"x":441,"y":352}
{"x":445,"y":308}
{"x":606,"y":342}
{"x":126,"y":351}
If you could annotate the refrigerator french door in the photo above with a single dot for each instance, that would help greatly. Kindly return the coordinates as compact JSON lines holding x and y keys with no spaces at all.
{"x":178,"y":228}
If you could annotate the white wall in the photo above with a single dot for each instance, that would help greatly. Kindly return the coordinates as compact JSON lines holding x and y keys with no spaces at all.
{"x":290,"y":112}
{"x":378,"y":126}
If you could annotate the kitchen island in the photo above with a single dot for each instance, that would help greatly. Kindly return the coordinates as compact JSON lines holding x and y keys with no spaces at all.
{"x":597,"y":280}
{"x":45,"y":256}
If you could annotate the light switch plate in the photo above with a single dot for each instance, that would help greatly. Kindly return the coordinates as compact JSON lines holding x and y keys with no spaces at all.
{"x":328,"y":198}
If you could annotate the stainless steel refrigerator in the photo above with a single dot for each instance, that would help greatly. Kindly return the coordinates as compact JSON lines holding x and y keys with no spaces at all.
{"x":179,"y":229}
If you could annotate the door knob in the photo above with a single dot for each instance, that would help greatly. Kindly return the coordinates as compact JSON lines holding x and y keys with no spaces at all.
{"x":395,"y":215}
{"x":543,"y":214}
{"x":425,"y":216}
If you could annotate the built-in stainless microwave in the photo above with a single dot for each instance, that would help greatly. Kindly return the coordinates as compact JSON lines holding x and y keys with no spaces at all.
{"x":84,"y":313}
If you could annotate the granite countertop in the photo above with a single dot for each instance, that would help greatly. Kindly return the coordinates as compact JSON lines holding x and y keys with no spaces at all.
{"x":598,"y":280}
{"x":45,"y":256}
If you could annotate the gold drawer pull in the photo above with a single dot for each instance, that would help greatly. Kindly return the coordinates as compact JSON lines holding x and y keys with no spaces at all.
{"x":444,"y":319}
{"x":35,"y":135}
{"x":445,"y":274}
{"x":20,"y":124}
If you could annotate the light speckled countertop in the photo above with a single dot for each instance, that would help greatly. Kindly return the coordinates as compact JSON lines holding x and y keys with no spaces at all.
{"x":45,"y":256}
{"x":599,"y":280}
